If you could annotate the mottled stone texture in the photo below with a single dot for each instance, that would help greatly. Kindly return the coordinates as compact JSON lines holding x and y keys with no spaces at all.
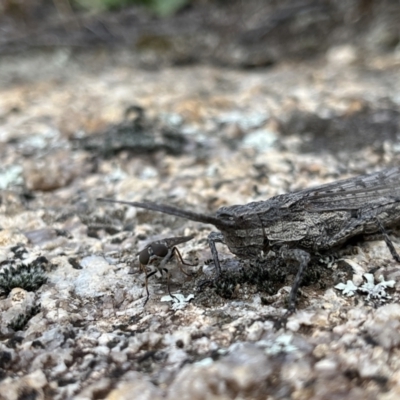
{"x":240,"y":135}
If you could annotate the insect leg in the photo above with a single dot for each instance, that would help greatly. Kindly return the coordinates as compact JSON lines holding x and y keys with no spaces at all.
{"x":178,"y":254}
{"x":388,"y":242}
{"x":147,"y":276}
{"x":215,"y":237}
{"x":168,"y":287}
{"x":162,"y":268}
{"x":302,"y":258}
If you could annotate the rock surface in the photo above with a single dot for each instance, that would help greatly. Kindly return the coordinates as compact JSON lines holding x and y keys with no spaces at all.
{"x":246,"y":135}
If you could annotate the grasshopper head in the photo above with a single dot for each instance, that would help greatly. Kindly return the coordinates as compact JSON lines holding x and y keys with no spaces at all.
{"x":242,"y":230}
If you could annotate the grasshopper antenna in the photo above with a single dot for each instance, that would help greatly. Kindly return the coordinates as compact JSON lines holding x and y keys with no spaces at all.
{"x":166,"y":209}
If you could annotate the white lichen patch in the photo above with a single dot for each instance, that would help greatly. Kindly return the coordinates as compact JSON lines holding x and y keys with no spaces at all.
{"x":281,"y":344}
{"x":372,"y":289}
{"x":376,"y":291}
{"x":179,"y":301}
{"x":348,"y":288}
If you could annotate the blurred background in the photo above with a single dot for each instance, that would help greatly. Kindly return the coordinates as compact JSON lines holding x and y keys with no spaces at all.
{"x":250,"y":33}
{"x":133,"y":98}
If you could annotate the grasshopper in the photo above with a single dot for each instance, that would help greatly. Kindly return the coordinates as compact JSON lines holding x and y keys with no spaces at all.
{"x":301,"y":223}
{"x":158,"y":254}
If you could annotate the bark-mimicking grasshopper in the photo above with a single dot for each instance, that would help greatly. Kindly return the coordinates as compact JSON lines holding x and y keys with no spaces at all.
{"x":158,"y":254}
{"x":298,"y":224}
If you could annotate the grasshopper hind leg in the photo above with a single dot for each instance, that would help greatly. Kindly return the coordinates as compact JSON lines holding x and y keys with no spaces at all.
{"x":302,"y":257}
{"x":388,"y":241}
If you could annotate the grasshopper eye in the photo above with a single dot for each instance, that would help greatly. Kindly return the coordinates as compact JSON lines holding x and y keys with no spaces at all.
{"x":226,"y":214}
{"x":144,"y":256}
{"x":159,"y":250}
{"x":226,"y":217}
